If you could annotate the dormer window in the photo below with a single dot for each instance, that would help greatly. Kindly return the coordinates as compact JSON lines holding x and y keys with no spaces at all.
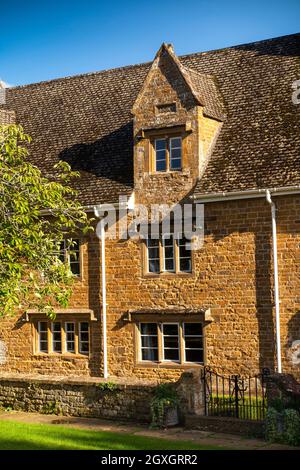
{"x":168,"y":154}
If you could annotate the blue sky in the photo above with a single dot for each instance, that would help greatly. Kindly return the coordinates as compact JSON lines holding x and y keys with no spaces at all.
{"x":41,"y":40}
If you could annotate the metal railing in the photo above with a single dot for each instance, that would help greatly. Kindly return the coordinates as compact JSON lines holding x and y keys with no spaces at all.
{"x":234,"y":396}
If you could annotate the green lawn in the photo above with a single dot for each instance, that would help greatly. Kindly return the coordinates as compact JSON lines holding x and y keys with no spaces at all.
{"x":248,"y":409}
{"x":23,"y":436}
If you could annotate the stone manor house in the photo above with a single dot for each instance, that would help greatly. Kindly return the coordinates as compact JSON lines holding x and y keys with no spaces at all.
{"x":217,"y":128}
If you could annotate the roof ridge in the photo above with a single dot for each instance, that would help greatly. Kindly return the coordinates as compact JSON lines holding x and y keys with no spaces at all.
{"x":237,"y":46}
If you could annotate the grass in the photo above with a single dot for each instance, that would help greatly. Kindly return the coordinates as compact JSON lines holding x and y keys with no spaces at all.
{"x":248,"y":409}
{"x":23,"y":436}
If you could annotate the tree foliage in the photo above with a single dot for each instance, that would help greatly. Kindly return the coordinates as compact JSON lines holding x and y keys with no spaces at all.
{"x":36,"y":214}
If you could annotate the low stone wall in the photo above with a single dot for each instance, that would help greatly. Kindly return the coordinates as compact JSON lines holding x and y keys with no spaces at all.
{"x":128,"y":402}
{"x":125,"y":400}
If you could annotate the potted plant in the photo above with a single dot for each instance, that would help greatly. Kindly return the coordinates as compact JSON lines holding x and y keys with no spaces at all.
{"x":164,"y":406}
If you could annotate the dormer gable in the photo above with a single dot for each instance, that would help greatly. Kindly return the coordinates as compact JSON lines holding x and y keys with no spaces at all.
{"x":177,"y":114}
{"x":167,"y":79}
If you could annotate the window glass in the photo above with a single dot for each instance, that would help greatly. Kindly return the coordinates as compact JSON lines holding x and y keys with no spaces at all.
{"x":193,"y":342}
{"x":153,"y":255}
{"x":43,"y":336}
{"x":56,"y":337}
{"x":170,"y":341}
{"x":74,"y":257}
{"x":175,"y":153}
{"x":149,"y":342}
{"x":70,"y":337}
{"x":84,"y":337}
{"x":71,"y":255}
{"x":168,"y":252}
{"x":185,"y":256}
{"x":160,"y":154}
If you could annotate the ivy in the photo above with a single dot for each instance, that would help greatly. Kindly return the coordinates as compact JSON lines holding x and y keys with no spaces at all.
{"x":107,"y":387}
{"x":165,"y":397}
{"x":283,"y":426}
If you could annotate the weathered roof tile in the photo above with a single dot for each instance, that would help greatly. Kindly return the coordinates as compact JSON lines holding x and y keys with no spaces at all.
{"x":86,"y":120}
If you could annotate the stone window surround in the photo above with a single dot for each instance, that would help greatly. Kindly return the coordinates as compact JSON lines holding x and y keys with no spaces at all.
{"x":63,"y":320}
{"x":180,"y":320}
{"x":162,"y":272}
{"x":168,"y":133}
{"x":168,"y":140}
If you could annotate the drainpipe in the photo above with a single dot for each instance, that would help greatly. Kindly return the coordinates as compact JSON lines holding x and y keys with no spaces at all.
{"x":103,"y":273}
{"x":99,"y":213}
{"x":276,"y":283}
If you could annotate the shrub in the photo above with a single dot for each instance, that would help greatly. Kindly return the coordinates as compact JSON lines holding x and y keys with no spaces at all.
{"x":283,"y":426}
{"x":291,"y":422}
{"x":51,"y":408}
{"x":107,"y":387}
{"x":165,"y":396}
{"x":272,"y":434}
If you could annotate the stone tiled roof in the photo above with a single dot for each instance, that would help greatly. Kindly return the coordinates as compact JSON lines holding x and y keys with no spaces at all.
{"x":206,"y":89}
{"x":259,"y":143}
{"x":86,"y":120}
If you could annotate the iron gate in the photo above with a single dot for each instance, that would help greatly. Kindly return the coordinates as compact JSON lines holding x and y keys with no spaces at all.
{"x":234,"y":396}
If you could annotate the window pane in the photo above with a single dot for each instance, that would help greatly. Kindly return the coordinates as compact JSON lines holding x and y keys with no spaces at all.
{"x":170,"y":342}
{"x":193,"y":329}
{"x":43,"y":336}
{"x":148,"y":328}
{"x":185,"y":255}
{"x":168,"y":253}
{"x":176,"y":142}
{"x":56,"y":337}
{"x":195,"y":342}
{"x":149,"y":342}
{"x":75,"y":268}
{"x":75,"y":257}
{"x":194,"y":355}
{"x":176,"y":164}
{"x":161,"y":165}
{"x":169,"y":265}
{"x":149,"y":355}
{"x":154,"y":266}
{"x":170,"y":329}
{"x":175,"y":153}
{"x":153,"y":255}
{"x":160,"y":154}
{"x":70,"y":337}
{"x":171,"y":354}
{"x":84,"y":337}
{"x":160,"y":144}
{"x":185,"y":265}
